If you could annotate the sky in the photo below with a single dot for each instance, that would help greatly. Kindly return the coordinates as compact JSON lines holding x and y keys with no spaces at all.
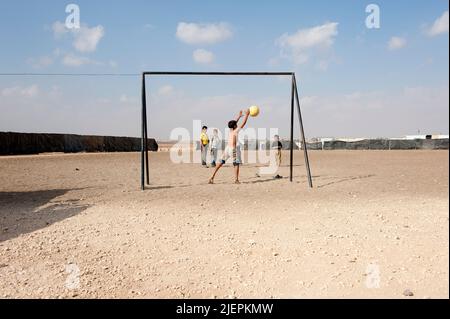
{"x":354,"y":80}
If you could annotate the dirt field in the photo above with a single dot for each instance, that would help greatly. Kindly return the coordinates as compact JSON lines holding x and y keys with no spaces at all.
{"x":77,"y":226}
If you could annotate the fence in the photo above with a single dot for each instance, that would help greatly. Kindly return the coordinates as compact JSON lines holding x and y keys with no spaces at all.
{"x":33,"y":143}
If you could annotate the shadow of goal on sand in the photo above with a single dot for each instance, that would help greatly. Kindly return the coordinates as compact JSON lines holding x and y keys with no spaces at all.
{"x":345,"y":179}
{"x":25,"y":212}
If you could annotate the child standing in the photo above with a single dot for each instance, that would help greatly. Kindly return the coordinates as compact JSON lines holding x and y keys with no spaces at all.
{"x":215,"y":145}
{"x":204,"y":142}
{"x":277,"y":146}
{"x":231,"y":149}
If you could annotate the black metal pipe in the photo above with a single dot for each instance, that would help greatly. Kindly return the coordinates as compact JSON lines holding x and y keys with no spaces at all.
{"x":220,"y":73}
{"x":146,"y":138}
{"x":143,"y":132}
{"x":302,"y":131}
{"x":291,"y":155}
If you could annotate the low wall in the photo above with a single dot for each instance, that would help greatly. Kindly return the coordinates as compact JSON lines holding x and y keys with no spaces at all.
{"x":384,"y":144}
{"x":33,"y":143}
{"x":369,"y":144}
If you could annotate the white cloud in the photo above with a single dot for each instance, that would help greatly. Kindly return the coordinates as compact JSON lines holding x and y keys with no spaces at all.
{"x":396,"y":43}
{"x":85,"y":39}
{"x":30,"y":91}
{"x":203,"y":56}
{"x":59,"y":29}
{"x":195,"y":33}
{"x":302,"y":44}
{"x":75,"y":61}
{"x":18,"y":91}
{"x":166,"y":90}
{"x":67,"y":59}
{"x":439,"y":26}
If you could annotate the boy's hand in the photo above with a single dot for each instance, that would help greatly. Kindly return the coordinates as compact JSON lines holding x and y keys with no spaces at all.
{"x":247,"y":112}
{"x":240,"y":113}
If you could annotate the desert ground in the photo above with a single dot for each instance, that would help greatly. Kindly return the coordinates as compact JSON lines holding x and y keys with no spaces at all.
{"x":375,"y":225}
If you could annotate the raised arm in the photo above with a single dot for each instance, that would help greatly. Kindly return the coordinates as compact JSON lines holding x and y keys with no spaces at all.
{"x":247,"y":113}
{"x":239,"y":116}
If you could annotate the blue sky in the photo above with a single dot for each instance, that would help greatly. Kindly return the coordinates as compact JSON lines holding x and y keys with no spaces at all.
{"x":351,"y":77}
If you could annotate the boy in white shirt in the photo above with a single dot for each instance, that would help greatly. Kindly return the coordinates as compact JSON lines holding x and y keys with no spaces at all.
{"x":215,"y":143}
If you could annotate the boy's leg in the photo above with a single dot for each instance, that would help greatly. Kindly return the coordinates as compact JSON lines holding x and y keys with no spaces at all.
{"x":279,"y":158}
{"x":236,"y":173}
{"x":214,"y":157}
{"x":237,"y":162}
{"x":225,"y":157}
{"x":204,"y":152}
{"x":211,"y":180}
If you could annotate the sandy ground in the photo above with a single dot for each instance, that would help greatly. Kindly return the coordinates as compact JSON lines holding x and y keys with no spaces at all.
{"x":375,"y":225}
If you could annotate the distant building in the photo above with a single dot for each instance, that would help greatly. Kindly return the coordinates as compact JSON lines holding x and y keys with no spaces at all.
{"x":423,"y":137}
{"x":439,"y":136}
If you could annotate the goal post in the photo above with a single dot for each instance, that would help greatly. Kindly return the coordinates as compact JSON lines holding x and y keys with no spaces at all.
{"x":145,"y":175}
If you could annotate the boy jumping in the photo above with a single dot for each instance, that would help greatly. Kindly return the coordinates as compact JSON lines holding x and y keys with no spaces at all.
{"x":231,"y":150}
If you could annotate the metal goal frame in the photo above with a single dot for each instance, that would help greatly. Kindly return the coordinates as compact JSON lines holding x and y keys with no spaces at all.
{"x":145,"y":175}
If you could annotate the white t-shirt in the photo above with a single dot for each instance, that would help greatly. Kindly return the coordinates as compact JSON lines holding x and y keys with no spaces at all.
{"x":215,"y":142}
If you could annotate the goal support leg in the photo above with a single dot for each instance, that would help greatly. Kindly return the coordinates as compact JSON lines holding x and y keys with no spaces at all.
{"x":291,"y":144}
{"x":143,"y":133}
{"x":302,"y":131}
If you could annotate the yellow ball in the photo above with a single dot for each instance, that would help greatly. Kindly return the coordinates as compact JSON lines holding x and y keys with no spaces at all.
{"x":254,"y":110}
